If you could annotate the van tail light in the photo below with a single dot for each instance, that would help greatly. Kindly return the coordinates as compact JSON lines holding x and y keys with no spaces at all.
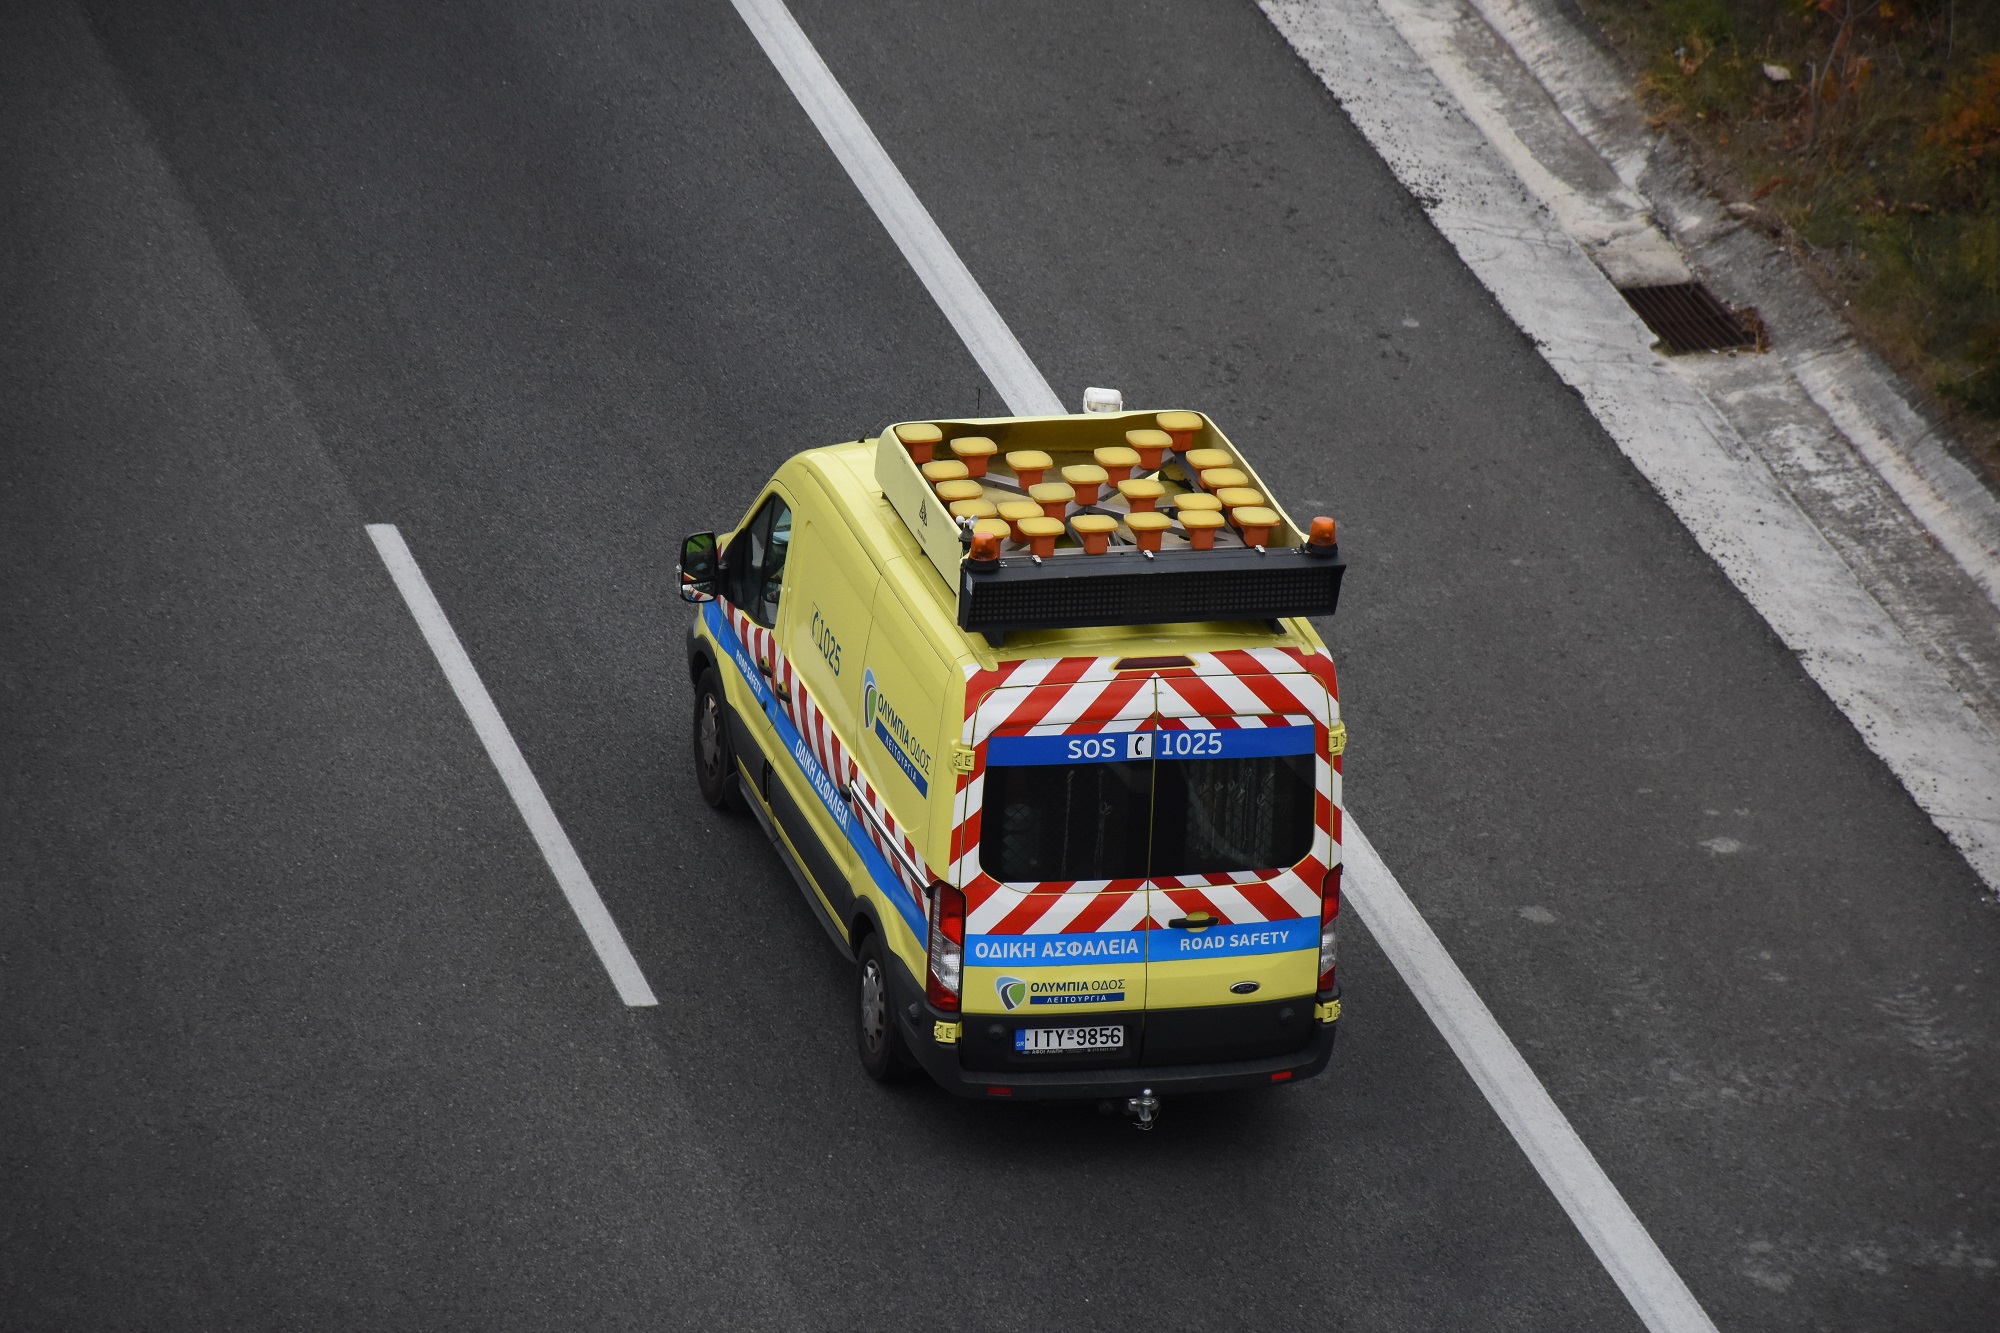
{"x":947,"y":948}
{"x":1329,"y":928}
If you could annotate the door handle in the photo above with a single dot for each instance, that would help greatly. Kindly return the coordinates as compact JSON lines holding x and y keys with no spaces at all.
{"x":1195,"y":920}
{"x":783,"y":691}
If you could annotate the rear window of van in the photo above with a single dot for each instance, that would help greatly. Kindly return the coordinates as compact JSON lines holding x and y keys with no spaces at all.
{"x":1131,"y":819}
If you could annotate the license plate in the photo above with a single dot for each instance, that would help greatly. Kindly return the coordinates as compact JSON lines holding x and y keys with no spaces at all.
{"x":1051,"y":1041}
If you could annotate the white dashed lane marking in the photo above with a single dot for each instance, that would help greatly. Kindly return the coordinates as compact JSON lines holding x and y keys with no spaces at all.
{"x":570,"y":875}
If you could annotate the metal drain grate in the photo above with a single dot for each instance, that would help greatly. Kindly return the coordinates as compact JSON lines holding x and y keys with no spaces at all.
{"x":1688,"y":318}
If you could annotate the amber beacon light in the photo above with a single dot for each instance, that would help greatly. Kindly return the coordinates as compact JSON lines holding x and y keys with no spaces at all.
{"x":986,"y":549}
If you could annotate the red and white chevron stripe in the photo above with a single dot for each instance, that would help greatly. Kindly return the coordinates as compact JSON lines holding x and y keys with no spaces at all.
{"x":832,"y":753}
{"x":1261,"y":687}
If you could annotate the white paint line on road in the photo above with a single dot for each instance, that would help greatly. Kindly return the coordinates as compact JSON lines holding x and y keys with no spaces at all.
{"x":1620,"y":1241}
{"x":514,"y":771}
{"x":903,"y":215}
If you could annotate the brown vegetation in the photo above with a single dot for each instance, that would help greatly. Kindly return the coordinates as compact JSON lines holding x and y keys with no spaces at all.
{"x":1867,"y":132}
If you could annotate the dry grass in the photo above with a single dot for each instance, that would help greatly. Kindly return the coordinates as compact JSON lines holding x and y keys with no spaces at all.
{"x":1867,"y":132}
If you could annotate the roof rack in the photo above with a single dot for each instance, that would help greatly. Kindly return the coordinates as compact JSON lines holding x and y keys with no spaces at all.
{"x":1130,"y":518}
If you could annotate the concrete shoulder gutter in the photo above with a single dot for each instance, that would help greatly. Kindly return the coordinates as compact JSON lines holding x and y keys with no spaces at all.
{"x":1806,"y":473}
{"x":1863,"y":399}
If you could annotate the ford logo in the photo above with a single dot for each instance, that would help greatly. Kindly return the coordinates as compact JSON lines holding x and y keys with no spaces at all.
{"x":1243,"y":987}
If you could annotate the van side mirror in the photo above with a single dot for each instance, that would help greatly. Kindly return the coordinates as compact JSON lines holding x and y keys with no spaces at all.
{"x":701,"y":568}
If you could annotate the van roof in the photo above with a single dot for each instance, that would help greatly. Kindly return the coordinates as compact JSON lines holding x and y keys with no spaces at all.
{"x":846,"y":473}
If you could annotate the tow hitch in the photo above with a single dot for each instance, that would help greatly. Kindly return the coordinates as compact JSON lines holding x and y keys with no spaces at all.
{"x":1143,"y":1109}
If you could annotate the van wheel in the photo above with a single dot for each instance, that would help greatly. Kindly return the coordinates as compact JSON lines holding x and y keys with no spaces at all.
{"x":714,"y":760}
{"x":876,"y":1035}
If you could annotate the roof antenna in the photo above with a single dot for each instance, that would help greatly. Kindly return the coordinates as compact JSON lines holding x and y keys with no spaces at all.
{"x":1103,"y":400}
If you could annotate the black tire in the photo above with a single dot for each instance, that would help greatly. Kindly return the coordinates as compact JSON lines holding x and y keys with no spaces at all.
{"x":876,"y":1035}
{"x":714,"y":758}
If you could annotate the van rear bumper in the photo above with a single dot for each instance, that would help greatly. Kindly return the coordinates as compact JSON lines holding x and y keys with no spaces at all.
{"x":1131,"y":1080}
{"x":941,"y":1060}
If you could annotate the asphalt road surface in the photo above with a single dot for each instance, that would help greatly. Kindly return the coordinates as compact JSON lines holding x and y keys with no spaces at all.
{"x":295,"y":1028}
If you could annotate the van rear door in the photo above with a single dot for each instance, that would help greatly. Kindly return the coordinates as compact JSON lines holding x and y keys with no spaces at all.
{"x":1241,"y":840}
{"x":1055,"y":829}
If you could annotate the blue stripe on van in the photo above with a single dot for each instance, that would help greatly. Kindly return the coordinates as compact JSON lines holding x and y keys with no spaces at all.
{"x":1106,"y":747}
{"x":824,"y":787}
{"x":1229,"y":941}
{"x":1131,"y":946}
{"x":1104,"y":946}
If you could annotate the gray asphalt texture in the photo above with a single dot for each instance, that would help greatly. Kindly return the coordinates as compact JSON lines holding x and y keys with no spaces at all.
{"x":295,"y":1027}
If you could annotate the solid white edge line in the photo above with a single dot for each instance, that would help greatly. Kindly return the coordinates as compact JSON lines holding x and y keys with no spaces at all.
{"x":514,"y":771}
{"x":902,"y":214}
{"x":1621,"y":1242}
{"x":1606,"y":1222}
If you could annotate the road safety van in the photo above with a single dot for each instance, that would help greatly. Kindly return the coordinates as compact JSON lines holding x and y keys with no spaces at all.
{"x":1032,"y":713}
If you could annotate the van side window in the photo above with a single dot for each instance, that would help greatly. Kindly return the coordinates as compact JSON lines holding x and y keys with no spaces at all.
{"x":757,"y":573}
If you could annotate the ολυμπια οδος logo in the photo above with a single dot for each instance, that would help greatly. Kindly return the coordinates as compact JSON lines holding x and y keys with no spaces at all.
{"x":878,"y":714}
{"x":1012,"y":990}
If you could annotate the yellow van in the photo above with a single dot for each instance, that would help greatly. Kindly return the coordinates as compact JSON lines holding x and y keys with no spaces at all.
{"x":1031,"y":711}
